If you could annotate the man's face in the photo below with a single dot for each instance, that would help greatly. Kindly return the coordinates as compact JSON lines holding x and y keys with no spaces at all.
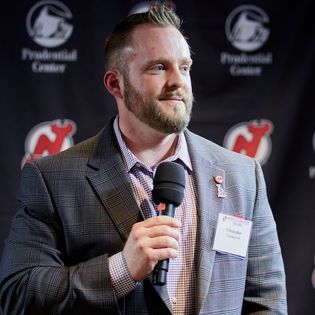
{"x":157,"y":87}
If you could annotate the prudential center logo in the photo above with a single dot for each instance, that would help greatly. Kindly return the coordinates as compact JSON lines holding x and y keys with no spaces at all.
{"x":48,"y":25}
{"x":247,"y":28}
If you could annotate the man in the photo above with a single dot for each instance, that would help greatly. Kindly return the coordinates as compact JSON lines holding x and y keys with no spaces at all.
{"x":86,"y":237}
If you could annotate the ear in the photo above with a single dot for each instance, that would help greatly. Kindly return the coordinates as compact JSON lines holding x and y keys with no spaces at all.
{"x":113,"y":82}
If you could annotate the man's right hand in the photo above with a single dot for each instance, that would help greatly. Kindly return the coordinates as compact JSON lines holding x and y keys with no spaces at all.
{"x":150,"y":241}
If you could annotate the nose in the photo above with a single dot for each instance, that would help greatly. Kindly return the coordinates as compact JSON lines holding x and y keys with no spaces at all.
{"x":175,"y":79}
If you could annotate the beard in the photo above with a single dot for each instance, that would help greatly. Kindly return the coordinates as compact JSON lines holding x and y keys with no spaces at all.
{"x":148,"y":110}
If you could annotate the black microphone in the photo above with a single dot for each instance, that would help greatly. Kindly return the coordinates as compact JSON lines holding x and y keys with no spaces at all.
{"x":167,"y":193}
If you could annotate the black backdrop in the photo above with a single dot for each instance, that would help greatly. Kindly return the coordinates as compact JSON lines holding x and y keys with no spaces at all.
{"x":253,"y":79}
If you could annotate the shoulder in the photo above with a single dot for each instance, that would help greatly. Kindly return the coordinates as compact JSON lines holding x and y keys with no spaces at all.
{"x":215,"y":153}
{"x":240,"y":170}
{"x":78,"y":155}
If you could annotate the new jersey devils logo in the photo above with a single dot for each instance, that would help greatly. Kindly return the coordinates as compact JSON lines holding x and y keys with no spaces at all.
{"x":251,"y":139}
{"x":48,"y":138}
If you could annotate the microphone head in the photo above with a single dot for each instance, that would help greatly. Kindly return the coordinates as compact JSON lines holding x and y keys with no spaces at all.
{"x":169,"y":184}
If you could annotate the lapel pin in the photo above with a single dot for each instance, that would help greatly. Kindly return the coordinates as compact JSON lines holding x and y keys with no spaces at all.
{"x":219,"y":179}
{"x":220,"y":191}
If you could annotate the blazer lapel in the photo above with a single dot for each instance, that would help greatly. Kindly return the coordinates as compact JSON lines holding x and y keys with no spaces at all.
{"x":209,"y":205}
{"x":111,"y":182}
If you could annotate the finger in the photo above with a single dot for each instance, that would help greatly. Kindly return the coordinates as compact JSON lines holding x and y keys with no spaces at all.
{"x":163,"y":242}
{"x":161,"y":254}
{"x":163,"y":230}
{"x":162,"y":220}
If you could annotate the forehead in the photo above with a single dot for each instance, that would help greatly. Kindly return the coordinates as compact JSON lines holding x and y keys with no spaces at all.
{"x":154,"y":42}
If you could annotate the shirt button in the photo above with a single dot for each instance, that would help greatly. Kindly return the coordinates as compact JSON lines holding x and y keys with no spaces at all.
{"x":174,"y":300}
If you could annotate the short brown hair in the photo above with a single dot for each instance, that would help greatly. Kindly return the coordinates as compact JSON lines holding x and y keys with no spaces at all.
{"x":120,"y":37}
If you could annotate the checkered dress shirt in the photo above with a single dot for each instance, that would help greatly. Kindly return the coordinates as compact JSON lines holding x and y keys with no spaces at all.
{"x":181,"y":275}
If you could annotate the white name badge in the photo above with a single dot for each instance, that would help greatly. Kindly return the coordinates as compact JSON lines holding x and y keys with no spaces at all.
{"x":232,"y":235}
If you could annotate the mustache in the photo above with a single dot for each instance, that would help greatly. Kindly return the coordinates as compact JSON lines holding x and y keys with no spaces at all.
{"x":178,"y":94}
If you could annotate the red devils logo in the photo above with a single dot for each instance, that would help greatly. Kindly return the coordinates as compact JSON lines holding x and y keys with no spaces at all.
{"x":251,"y":139}
{"x":48,"y":138}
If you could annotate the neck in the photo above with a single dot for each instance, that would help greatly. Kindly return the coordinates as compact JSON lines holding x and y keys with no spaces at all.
{"x":147,"y":144}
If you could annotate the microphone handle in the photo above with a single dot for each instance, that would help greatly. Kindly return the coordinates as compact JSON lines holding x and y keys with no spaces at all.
{"x":161,"y":268}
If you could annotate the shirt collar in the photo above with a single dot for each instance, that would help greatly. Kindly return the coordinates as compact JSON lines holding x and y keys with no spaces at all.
{"x":181,"y":153}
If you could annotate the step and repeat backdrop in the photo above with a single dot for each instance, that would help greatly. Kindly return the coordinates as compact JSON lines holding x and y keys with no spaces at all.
{"x":254,"y":85}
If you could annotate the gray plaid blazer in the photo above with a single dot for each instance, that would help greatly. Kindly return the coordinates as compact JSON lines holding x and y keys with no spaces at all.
{"x":77,"y":209}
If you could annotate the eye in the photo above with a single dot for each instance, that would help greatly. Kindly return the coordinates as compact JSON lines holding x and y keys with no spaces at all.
{"x":185,"y":68}
{"x":157,"y":68}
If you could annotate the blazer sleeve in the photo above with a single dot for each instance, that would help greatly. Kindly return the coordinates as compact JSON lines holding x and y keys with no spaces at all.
{"x":265,"y":291}
{"x":34,"y":278}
